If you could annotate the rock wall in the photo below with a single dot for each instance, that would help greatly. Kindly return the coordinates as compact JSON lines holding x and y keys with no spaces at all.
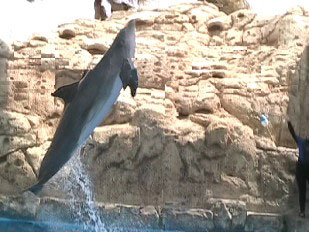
{"x":223,"y":216}
{"x":192,"y":133}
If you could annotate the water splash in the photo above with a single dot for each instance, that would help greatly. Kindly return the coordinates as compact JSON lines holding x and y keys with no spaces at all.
{"x":79,"y":188}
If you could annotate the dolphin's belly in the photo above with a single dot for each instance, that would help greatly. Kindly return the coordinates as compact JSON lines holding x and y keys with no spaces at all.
{"x":100,"y":111}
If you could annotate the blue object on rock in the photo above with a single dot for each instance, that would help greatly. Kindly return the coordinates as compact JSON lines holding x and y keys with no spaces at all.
{"x":264,"y":120}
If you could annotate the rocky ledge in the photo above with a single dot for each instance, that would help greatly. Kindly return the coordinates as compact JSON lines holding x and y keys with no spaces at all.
{"x":222,"y":215}
{"x":192,"y":133}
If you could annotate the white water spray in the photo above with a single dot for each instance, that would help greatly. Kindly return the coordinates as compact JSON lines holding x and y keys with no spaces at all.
{"x":75,"y":182}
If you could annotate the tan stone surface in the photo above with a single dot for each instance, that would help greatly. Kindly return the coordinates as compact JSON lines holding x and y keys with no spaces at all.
{"x":192,"y":132}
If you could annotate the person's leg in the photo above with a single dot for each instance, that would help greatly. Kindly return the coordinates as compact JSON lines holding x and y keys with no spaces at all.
{"x":97,"y":9}
{"x":301,"y":182}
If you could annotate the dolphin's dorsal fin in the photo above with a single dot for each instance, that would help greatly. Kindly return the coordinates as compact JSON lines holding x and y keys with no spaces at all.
{"x":68,"y":92}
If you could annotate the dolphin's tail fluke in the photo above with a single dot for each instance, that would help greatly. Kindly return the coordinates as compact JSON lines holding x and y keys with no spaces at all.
{"x":35,"y":188}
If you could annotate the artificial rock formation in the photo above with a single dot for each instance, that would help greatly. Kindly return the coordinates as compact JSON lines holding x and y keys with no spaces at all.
{"x":224,"y":216}
{"x":192,"y":133}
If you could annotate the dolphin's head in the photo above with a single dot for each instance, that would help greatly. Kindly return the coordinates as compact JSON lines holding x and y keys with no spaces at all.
{"x":125,"y":44}
{"x":129,"y":32}
{"x":125,"y":40}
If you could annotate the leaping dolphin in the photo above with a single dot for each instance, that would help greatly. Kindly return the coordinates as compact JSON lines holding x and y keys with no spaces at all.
{"x":88,"y":102}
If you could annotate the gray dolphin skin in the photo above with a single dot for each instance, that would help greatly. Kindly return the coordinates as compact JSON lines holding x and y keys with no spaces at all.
{"x":88,"y":102}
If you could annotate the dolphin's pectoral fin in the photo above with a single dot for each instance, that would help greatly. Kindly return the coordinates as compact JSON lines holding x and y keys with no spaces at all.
{"x":67,"y":92}
{"x":133,"y":82}
{"x":125,"y":72}
{"x":129,"y":76}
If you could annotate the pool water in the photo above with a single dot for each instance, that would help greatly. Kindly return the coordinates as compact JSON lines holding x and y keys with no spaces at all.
{"x":9,"y":225}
